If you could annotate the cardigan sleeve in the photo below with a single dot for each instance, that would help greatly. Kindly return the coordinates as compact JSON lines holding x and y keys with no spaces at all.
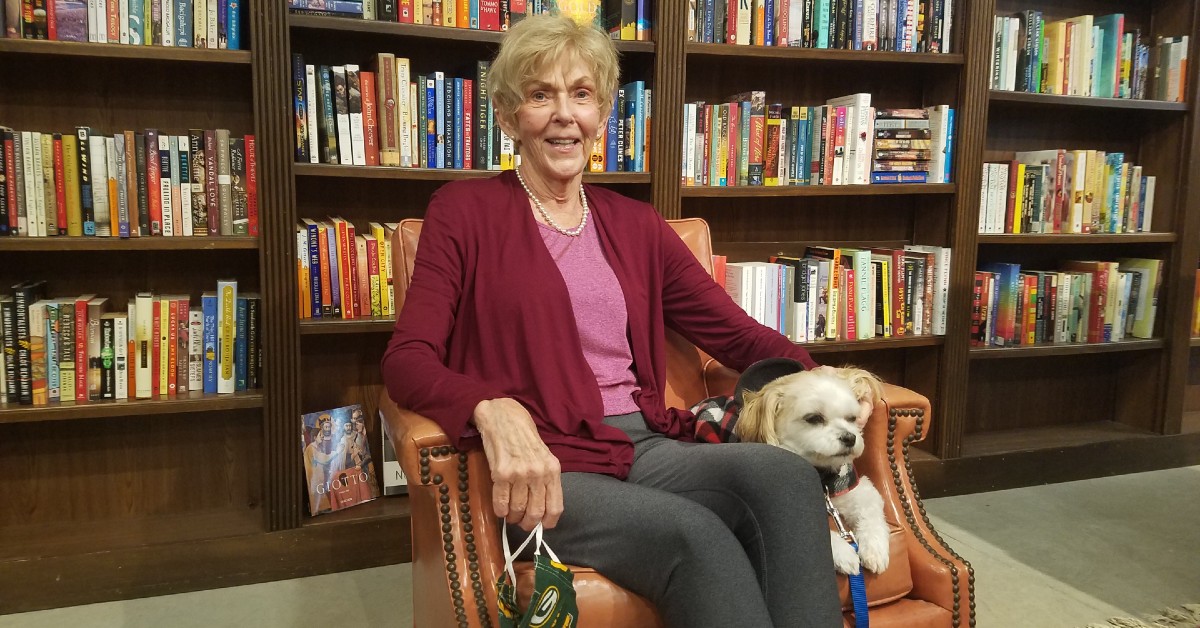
{"x":700,"y":310}
{"x":414,"y":365}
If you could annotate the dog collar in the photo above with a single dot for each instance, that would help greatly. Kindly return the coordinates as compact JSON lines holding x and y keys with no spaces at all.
{"x":839,"y":481}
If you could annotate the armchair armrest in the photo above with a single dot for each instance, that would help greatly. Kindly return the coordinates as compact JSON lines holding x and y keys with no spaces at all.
{"x":939,"y":575}
{"x":456,"y":555}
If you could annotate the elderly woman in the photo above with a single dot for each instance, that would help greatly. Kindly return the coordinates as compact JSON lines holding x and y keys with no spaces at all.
{"x":534,"y":327}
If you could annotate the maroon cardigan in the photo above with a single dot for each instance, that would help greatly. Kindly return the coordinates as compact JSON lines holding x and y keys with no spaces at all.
{"x":488,"y":315}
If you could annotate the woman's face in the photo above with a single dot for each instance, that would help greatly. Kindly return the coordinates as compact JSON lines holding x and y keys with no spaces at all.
{"x":558,"y":120}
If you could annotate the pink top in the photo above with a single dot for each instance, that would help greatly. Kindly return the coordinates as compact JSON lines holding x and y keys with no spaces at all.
{"x":600,"y":315}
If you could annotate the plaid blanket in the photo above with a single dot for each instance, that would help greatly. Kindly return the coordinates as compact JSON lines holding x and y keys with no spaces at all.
{"x":716,"y":418}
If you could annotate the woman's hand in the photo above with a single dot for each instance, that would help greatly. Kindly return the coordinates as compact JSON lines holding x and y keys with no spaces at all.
{"x":526,"y":481}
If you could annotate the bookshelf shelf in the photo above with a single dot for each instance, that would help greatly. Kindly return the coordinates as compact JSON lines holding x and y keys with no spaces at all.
{"x":351,"y":25}
{"x":155,"y":243}
{"x":316,"y":326}
{"x":816,"y":190}
{"x":441,"y":174}
{"x":193,"y":402}
{"x":118,"y":51}
{"x":1054,"y":100}
{"x":1074,"y":238}
{"x":1055,"y":436}
{"x":1044,"y":350}
{"x":382,"y":509}
{"x":874,"y":344}
{"x":821,"y":54}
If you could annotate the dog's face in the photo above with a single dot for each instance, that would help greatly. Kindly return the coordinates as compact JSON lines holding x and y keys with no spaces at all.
{"x":813,"y":414}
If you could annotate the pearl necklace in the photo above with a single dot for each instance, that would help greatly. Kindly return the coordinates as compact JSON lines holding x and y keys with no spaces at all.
{"x":546,"y":215}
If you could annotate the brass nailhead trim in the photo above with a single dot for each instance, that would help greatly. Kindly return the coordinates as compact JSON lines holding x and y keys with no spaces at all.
{"x":910,"y":517}
{"x":452,"y":574}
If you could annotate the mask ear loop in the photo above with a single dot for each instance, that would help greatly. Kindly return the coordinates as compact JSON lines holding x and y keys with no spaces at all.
{"x":509,"y":557}
{"x":541,"y":544}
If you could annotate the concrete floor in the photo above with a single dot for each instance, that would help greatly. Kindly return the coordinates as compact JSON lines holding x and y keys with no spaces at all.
{"x":1056,"y":556}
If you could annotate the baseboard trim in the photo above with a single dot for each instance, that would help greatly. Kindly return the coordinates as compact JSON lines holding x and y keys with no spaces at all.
{"x":979,"y":474}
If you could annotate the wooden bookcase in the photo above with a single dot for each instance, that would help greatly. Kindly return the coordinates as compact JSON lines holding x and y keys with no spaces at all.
{"x":110,"y":501}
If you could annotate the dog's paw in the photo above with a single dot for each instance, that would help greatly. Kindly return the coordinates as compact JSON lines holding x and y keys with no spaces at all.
{"x":845,"y":560}
{"x":874,"y":553}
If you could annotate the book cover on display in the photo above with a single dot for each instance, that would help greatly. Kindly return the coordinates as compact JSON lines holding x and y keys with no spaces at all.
{"x":337,"y":459}
{"x":394,"y":481}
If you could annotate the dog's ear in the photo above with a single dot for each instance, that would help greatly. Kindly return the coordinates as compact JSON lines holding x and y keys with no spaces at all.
{"x":756,"y":424}
{"x":867,"y":387}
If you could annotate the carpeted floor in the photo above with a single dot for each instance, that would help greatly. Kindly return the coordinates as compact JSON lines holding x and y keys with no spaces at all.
{"x":1186,"y":616}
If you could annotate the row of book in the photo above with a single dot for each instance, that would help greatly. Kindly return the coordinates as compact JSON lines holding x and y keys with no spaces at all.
{"x":1086,"y":55}
{"x":844,"y":293}
{"x":1066,"y":191}
{"x":895,"y":25}
{"x":1081,"y":302}
{"x":433,"y":120}
{"x":344,"y":272}
{"x":129,"y":184}
{"x":627,"y":20}
{"x":213,"y":24}
{"x":845,"y":142}
{"x":68,"y":349}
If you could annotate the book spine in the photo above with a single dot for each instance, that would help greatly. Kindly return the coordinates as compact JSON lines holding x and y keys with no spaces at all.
{"x":195,"y":351}
{"x":165,"y":192}
{"x":251,"y":186}
{"x":8,"y":334}
{"x":153,"y":169}
{"x":120,"y":324}
{"x":208,"y":308}
{"x":239,"y":344}
{"x":237,"y":186}
{"x":224,"y":182}
{"x":66,"y":350}
{"x":211,"y":186}
{"x":300,"y":103}
{"x":226,"y":326}
{"x":253,"y":344}
{"x":370,"y":118}
{"x":327,"y":124}
{"x":143,"y":328}
{"x":354,"y":104}
{"x":342,"y":109}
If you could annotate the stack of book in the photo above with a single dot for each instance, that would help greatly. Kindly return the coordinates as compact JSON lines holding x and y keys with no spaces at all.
{"x":63,"y":350}
{"x":1066,"y":191}
{"x":343,"y":273}
{"x":128,"y":184}
{"x":896,"y":25}
{"x":213,"y":24}
{"x":1084,"y":302}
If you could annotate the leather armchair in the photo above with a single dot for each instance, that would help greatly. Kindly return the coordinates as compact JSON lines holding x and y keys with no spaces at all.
{"x":457,"y":556}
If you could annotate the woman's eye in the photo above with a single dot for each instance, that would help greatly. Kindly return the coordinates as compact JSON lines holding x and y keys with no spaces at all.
{"x":537,"y":96}
{"x":583,"y":94}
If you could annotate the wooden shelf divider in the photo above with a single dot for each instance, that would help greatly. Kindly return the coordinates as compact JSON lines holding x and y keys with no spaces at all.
{"x":1055,"y":100}
{"x":1077,"y":238}
{"x":740,"y":191}
{"x":193,"y":402}
{"x":119,"y":51}
{"x":155,"y":243}
{"x":773,"y":53}
{"x":1076,"y":348}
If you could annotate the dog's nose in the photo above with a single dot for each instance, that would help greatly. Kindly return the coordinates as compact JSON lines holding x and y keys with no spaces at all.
{"x":848,"y":439}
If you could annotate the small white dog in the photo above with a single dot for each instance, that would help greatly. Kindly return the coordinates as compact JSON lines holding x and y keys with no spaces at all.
{"x":820,"y":415}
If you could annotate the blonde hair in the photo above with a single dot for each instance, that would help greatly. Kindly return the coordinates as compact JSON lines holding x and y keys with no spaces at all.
{"x":540,"y":41}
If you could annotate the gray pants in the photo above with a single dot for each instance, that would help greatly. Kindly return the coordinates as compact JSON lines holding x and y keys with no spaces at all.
{"x":714,"y":535}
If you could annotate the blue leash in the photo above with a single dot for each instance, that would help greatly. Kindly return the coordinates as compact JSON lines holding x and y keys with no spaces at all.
{"x":858,"y":595}
{"x":858,"y":587}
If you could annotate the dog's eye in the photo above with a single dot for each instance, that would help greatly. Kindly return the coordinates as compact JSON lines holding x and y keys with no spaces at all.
{"x":814,"y":419}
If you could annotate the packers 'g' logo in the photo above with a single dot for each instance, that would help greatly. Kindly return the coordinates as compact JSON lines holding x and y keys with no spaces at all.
{"x":545,"y":607}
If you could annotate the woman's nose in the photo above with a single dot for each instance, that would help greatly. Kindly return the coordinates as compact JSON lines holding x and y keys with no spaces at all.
{"x":563,"y":111}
